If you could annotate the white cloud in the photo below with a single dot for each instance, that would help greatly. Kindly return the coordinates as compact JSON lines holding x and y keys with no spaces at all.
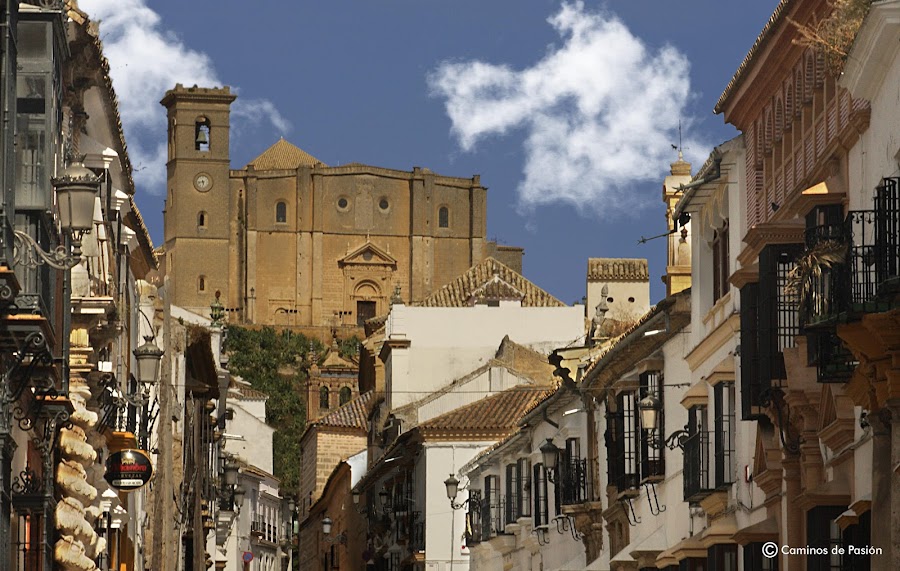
{"x":599,"y":112}
{"x":145,"y":61}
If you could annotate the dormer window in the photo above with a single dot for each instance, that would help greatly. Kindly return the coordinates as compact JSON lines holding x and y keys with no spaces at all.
{"x":201,"y":134}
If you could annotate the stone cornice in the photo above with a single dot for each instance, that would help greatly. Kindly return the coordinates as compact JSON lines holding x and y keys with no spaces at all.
{"x":716,"y":339}
{"x":772,"y":232}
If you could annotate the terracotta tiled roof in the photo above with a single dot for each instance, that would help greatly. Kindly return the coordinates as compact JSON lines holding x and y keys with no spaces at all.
{"x":283,"y":156}
{"x":490,"y":273}
{"x":767,"y":30}
{"x":618,"y":269}
{"x":353,"y":414}
{"x":499,"y":413}
{"x":247,"y":393}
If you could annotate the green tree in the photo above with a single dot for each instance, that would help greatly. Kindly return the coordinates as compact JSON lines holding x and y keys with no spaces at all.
{"x":262,"y":357}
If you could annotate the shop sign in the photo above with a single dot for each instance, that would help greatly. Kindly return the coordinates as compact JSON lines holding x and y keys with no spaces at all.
{"x":128,"y":469}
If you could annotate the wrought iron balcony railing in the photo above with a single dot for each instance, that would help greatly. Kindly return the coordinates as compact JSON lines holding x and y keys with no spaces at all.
{"x":576,"y":483}
{"x":492,"y":517}
{"x":417,"y":537}
{"x":697,"y":483}
{"x":853,"y":268}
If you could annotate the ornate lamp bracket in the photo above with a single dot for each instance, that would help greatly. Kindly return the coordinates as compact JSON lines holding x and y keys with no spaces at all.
{"x":27,"y":252}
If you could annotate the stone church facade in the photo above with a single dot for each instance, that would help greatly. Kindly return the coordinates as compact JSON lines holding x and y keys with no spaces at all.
{"x":290,"y":241}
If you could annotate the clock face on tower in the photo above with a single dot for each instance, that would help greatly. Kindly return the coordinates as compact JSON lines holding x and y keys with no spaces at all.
{"x":203,"y":182}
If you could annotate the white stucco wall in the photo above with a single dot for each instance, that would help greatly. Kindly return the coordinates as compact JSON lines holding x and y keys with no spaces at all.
{"x":447,"y":343}
{"x":444,"y":527}
{"x":249,"y":438}
{"x":875,"y":75}
{"x":630,"y":299}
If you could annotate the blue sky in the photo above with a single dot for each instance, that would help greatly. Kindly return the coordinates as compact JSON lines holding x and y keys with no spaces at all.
{"x":566,"y":110}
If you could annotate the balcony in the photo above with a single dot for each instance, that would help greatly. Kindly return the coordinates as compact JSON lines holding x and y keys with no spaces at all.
{"x":848,"y":270}
{"x":696,"y":467}
{"x":854,"y":268}
{"x":576,"y":485}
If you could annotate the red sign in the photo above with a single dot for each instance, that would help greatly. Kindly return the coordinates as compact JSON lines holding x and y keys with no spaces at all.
{"x":247,"y":557}
{"x":128,"y":470}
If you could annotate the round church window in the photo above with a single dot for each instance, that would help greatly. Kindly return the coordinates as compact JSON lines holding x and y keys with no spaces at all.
{"x":343,"y":203}
{"x":383,"y":204}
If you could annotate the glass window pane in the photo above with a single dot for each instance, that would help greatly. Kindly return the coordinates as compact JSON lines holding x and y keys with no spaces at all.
{"x":33,"y":40}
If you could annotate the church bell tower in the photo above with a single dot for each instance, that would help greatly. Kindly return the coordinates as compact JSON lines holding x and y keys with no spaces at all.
{"x":198,"y":203}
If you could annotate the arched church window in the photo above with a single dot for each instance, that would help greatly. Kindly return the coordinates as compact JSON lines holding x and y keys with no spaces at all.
{"x":281,"y":212}
{"x":444,"y":217}
{"x":201,"y":134}
{"x":201,"y":220}
{"x":201,"y":283}
{"x":323,"y":398}
{"x":345,"y":395}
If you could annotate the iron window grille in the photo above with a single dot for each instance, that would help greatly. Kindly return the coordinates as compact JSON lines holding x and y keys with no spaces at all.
{"x":524,"y":487}
{"x":625,"y":465}
{"x":653,"y":466}
{"x":631,"y":460}
{"x":473,"y":518}
{"x":575,"y":481}
{"x":512,"y":493}
{"x":751,"y":382}
{"x":696,"y":456}
{"x":539,"y":490}
{"x":724,"y":405}
{"x":770,"y":321}
{"x":492,"y":516}
{"x":491,"y":522}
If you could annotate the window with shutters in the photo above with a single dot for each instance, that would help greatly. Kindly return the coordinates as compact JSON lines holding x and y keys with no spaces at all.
{"x":653,"y":467}
{"x":524,"y":487}
{"x":473,"y":518}
{"x":724,"y":404}
{"x":721,"y":266}
{"x":696,"y":456}
{"x":751,"y":383}
{"x":491,"y":521}
{"x":512,"y":493}
{"x":778,"y":313}
{"x":539,"y":490}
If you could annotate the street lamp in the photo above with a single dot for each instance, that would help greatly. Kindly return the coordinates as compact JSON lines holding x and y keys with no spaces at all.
{"x":452,"y":485}
{"x":148,"y":357}
{"x":650,"y":408}
{"x":76,"y":190}
{"x":550,"y":456}
{"x":326,"y":530}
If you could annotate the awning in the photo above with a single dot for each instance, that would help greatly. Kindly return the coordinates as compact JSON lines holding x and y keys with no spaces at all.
{"x":760,"y":532}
